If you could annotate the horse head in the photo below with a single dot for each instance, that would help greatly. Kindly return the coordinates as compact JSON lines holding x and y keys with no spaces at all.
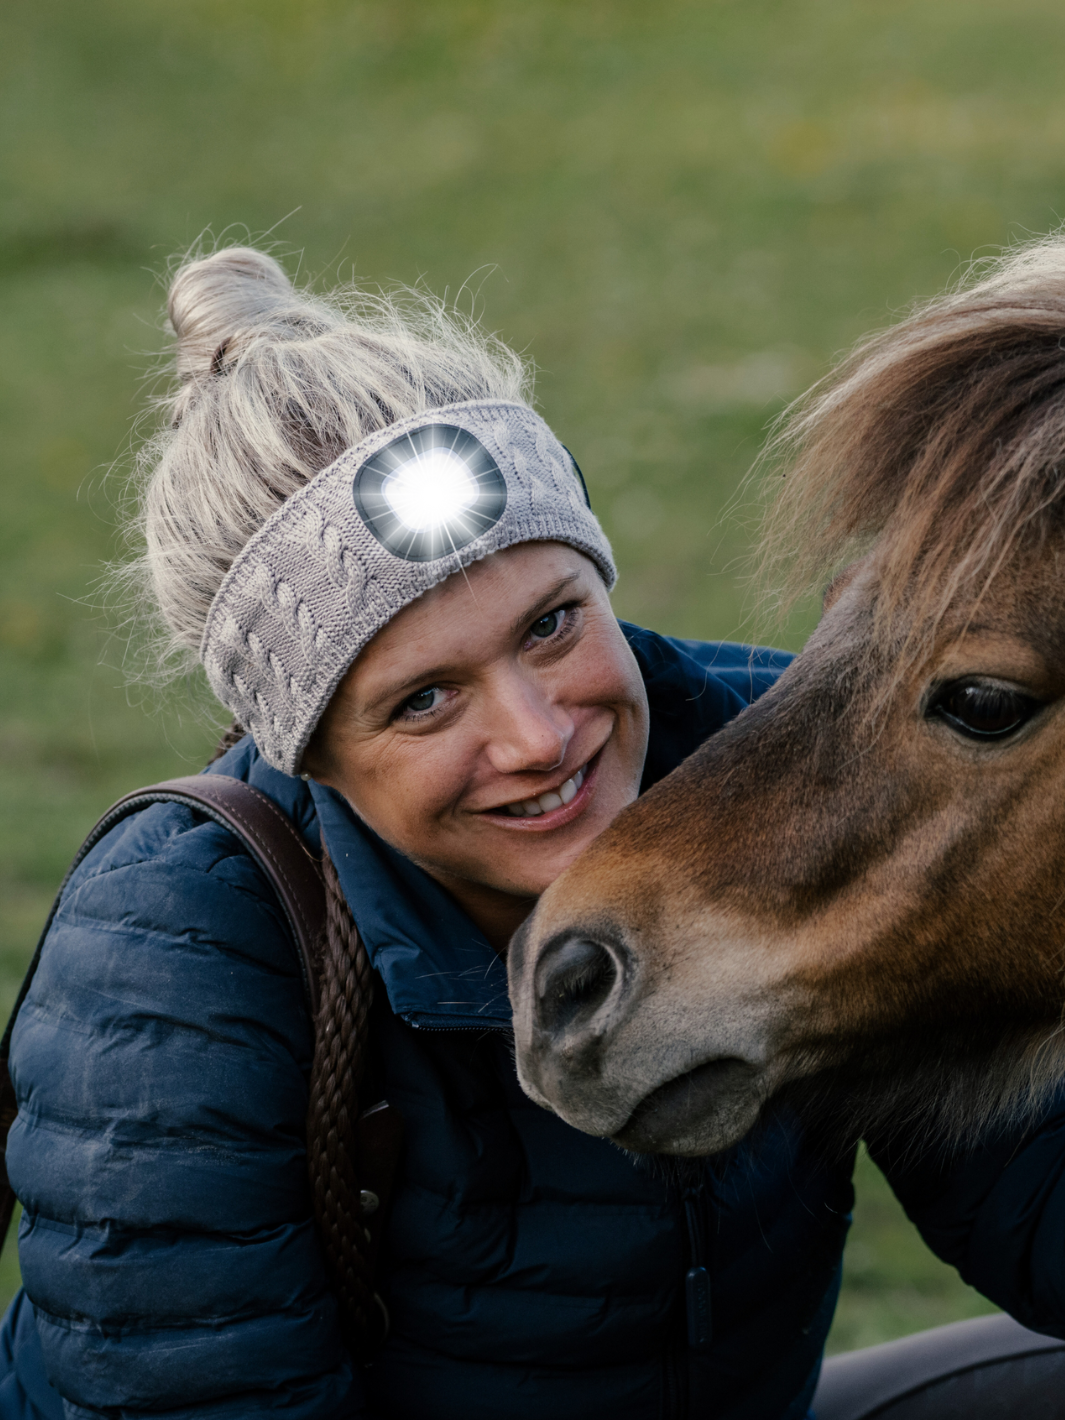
{"x":853,"y":895}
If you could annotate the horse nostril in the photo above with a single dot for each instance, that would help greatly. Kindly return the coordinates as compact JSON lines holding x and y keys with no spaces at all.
{"x":572,"y":980}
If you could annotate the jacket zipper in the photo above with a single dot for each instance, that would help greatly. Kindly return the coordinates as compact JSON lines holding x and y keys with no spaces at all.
{"x":691,"y":1338}
{"x":674,"y":1407}
{"x":697,"y":1278}
{"x":696,"y":1297}
{"x":470,"y":1030}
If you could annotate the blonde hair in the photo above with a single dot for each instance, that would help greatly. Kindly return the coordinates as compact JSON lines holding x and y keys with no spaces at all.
{"x":274,"y":383}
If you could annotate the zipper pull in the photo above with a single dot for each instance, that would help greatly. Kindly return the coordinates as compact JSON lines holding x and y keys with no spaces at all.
{"x":697,"y":1295}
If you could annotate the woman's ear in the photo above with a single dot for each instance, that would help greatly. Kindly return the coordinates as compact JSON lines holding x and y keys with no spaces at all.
{"x":320,"y":759}
{"x":317,"y":760}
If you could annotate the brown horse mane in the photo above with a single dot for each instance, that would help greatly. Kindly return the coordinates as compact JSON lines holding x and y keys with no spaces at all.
{"x":941,"y":439}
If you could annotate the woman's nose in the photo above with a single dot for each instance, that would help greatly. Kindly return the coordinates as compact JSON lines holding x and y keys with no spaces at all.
{"x":530,"y":733}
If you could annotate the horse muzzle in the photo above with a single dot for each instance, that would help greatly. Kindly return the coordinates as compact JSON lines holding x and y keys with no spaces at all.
{"x":570,"y":992}
{"x":616,"y":1052}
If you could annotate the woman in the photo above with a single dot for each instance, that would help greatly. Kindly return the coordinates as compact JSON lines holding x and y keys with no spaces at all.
{"x":386,"y":563}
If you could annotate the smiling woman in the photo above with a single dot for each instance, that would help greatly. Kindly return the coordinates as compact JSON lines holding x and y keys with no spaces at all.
{"x":386,"y":563}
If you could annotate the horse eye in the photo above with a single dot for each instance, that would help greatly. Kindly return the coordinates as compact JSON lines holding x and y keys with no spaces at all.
{"x":982,"y":711}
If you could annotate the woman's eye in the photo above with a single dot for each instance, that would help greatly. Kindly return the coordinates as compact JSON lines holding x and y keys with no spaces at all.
{"x":424,"y":700}
{"x":547,"y":625}
{"x":981,"y":711}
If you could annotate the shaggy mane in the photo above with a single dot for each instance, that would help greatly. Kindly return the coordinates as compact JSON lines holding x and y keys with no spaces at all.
{"x":941,"y":439}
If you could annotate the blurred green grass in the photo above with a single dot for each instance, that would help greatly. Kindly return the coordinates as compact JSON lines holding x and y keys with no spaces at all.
{"x":682,"y":211}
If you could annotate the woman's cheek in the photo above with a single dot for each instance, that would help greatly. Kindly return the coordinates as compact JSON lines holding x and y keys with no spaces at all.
{"x":421,"y":784}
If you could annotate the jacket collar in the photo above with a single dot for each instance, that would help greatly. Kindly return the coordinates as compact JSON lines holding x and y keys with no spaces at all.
{"x":438,"y":969}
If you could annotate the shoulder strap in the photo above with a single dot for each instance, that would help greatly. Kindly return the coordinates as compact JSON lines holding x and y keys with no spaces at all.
{"x":268,"y":834}
{"x":273,"y":841}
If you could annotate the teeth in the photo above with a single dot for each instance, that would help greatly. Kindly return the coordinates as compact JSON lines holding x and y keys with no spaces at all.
{"x":554,"y":799}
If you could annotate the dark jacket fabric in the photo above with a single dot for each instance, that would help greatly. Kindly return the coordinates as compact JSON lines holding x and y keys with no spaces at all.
{"x":168,"y":1254}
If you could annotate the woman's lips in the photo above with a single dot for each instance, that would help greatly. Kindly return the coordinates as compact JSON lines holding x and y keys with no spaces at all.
{"x":553,"y":799}
{"x":559,"y":810}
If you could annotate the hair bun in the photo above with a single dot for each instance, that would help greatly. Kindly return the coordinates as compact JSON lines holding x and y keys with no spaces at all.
{"x":213,"y":299}
{"x":306,"y":377}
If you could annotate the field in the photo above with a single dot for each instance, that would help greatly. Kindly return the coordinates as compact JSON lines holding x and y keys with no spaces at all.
{"x":682,"y":212}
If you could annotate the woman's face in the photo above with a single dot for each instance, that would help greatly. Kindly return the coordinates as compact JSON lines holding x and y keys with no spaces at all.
{"x":494,"y":726}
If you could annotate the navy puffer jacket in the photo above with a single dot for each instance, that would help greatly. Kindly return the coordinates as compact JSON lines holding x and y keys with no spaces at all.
{"x":169,"y":1259}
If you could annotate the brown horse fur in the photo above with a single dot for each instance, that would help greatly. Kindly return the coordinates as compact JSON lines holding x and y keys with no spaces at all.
{"x":840,"y":897}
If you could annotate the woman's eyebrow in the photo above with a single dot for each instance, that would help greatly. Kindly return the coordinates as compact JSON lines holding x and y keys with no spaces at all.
{"x":545,"y":603}
{"x":401,"y":688}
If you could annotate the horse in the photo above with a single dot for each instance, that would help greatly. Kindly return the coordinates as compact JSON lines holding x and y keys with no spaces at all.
{"x":852,"y":896}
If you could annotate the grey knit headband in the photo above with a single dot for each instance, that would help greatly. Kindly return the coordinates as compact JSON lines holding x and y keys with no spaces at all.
{"x":392,"y":517}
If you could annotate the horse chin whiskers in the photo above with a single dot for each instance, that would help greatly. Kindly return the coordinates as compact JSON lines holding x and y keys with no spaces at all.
{"x":697,"y":1112}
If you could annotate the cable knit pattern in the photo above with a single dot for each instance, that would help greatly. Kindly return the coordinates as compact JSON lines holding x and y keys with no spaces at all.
{"x":314,"y":585}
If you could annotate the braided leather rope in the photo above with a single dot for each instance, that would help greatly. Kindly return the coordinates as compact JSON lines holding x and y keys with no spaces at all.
{"x":340,"y":1040}
{"x":339,"y":1061}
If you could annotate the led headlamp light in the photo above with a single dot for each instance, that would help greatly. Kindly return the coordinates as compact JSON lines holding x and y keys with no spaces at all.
{"x":430,"y":492}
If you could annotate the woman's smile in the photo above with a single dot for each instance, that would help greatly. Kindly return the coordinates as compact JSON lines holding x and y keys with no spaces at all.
{"x":552,"y":807}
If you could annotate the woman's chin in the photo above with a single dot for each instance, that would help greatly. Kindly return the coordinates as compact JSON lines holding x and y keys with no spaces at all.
{"x":532,"y":879}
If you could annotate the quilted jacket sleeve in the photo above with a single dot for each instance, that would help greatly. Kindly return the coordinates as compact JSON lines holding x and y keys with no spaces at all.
{"x":161,"y":1064}
{"x":997,"y":1213}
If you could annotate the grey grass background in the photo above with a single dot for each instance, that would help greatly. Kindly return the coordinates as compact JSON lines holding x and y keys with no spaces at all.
{"x":681,"y":210}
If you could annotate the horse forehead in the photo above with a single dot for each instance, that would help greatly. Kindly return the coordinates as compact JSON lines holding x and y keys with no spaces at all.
{"x":996,"y":649}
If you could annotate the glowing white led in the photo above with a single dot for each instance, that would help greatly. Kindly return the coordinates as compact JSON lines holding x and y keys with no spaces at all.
{"x":430,"y":490}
